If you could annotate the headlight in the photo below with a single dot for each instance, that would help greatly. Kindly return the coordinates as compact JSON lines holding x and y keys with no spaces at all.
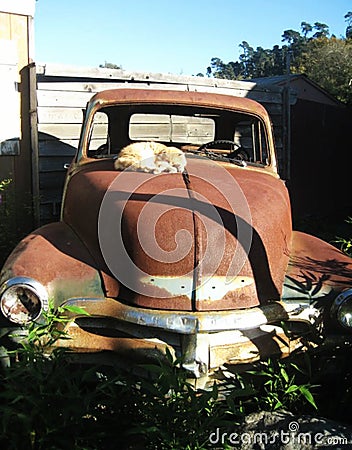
{"x":23,"y":299}
{"x":342,"y":308}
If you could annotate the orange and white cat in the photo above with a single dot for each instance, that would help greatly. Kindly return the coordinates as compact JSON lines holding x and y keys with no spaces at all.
{"x":151,"y":157}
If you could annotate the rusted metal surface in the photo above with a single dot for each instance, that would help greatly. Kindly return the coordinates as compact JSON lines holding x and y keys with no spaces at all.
{"x":316,"y":269}
{"x":187,"y":98}
{"x":203,"y":353}
{"x":250,"y":347}
{"x":203,"y":263}
{"x":263,"y":271}
{"x":270,"y":231}
{"x":54,"y":256}
{"x":184,"y":322}
{"x":206,"y":340}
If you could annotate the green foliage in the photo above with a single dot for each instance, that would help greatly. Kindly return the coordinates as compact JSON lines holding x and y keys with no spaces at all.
{"x":348,"y":18}
{"x":173,"y":414}
{"x":4,"y":183}
{"x":8,"y":231}
{"x":329,"y":63}
{"x":47,"y":401}
{"x":325,"y":59}
{"x":280,"y":388}
{"x":345,"y":243}
{"x":108,"y":65}
{"x":14,"y":218}
{"x":42,"y":335}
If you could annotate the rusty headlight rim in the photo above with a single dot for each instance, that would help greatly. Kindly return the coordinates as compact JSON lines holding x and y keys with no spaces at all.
{"x":35,"y":296}
{"x":341,"y":309}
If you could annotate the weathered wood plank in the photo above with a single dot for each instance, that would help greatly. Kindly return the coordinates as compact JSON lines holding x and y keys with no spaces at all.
{"x":149,"y":119}
{"x":63,"y":98}
{"x":33,"y":139}
{"x":60,"y":115}
{"x":50,"y":211}
{"x":65,"y":131}
{"x":65,"y":115}
{"x":97,"y":86}
{"x":150,"y":131}
{"x":168,"y":129}
{"x":242,"y":91}
{"x":245,"y":90}
{"x":164,"y":118}
{"x":51,"y":195}
{"x":64,"y":71}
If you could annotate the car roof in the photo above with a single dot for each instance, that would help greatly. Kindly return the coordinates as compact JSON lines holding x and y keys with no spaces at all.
{"x":190,"y":98}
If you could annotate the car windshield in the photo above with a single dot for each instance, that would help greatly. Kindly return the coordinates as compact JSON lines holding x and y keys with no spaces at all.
{"x":227,"y":134}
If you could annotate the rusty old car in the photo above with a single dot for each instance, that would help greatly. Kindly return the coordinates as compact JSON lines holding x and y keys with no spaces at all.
{"x":201,"y":260}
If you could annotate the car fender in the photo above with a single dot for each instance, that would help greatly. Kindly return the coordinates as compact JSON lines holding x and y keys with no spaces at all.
{"x":316,"y":269}
{"x":54,"y":256}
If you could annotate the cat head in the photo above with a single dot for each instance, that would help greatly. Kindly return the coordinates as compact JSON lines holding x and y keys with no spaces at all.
{"x":173,"y":156}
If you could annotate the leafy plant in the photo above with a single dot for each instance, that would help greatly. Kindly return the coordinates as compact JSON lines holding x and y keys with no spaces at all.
{"x":4,"y":183}
{"x":345,"y":243}
{"x":280,"y":389}
{"x":7,"y":222}
{"x":42,"y":335}
{"x":15,"y":217}
{"x":48,"y":401}
{"x":173,"y":414}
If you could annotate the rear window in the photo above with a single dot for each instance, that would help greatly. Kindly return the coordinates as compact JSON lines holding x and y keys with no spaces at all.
{"x":171,"y":128}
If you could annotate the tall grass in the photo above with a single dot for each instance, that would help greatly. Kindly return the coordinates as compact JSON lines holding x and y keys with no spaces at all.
{"x":49,"y":402}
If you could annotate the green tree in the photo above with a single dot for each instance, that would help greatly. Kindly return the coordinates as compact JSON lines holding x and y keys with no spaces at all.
{"x":306,"y":28}
{"x":329,"y":63}
{"x":325,"y":59}
{"x":322,"y":30}
{"x":348,"y":18}
{"x":229,"y":71}
{"x":108,"y":65}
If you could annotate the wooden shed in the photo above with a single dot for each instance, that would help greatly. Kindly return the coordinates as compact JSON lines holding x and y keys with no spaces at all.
{"x":319,"y":149}
{"x":61,"y":95}
{"x":310,"y":127}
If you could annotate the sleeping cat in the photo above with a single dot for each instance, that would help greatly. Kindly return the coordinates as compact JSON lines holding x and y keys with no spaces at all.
{"x":169,"y":159}
{"x":139,"y":155}
{"x":151,"y":157}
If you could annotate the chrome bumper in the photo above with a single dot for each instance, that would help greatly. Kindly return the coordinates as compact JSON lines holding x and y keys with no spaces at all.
{"x":205,"y":341}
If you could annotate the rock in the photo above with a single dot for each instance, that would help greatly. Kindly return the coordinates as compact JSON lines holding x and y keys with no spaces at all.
{"x":284,"y":431}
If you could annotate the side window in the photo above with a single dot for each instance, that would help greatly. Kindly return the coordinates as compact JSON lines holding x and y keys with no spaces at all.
{"x":99,"y":135}
{"x":250,"y":136}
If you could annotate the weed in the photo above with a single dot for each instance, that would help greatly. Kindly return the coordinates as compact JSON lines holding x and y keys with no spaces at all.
{"x":16,"y":217}
{"x":279,"y":389}
{"x":46,"y":401}
{"x":173,"y":415}
{"x":345,"y":243}
{"x":7,"y":223}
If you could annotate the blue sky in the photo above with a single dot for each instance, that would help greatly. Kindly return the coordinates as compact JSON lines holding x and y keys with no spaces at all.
{"x":179,"y":36}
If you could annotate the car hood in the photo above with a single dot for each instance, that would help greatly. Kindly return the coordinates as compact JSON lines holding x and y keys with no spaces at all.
{"x":213,"y":238}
